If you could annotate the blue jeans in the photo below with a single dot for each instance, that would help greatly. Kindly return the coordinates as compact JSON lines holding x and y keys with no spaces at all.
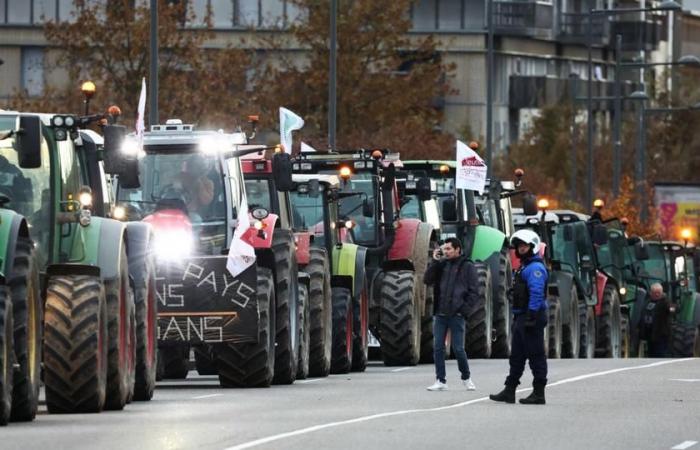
{"x":456,"y":326}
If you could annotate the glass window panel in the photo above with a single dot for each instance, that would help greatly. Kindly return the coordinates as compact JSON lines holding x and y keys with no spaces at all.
{"x":272,"y":13}
{"x":33,"y":70}
{"x":44,"y":10}
{"x":2,"y":11}
{"x":199,"y":8}
{"x":424,"y":15}
{"x":450,"y":14}
{"x":66,"y":11}
{"x":295,"y":14}
{"x":474,"y":14}
{"x":18,"y":11}
{"x":222,"y":11}
{"x":247,"y":13}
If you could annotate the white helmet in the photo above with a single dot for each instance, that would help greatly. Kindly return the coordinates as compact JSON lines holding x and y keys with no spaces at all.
{"x":528,"y":237}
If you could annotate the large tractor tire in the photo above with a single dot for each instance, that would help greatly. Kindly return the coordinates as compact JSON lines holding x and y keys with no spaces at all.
{"x":75,"y":344}
{"x":286,"y":295}
{"x":625,"y":339}
{"x":360,"y":332}
{"x":121,"y":365}
{"x":27,"y":318}
{"x":501,"y":307}
{"x":205,"y":360}
{"x":341,"y":354}
{"x":479,"y":321}
{"x":587,"y":336}
{"x":427,"y":343}
{"x":683,"y":339}
{"x":400,"y":318}
{"x":609,"y":338}
{"x":146,"y":307}
{"x":6,"y":355}
{"x":696,"y":345}
{"x":252,"y":365}
{"x":554,"y":329}
{"x":304,"y":332}
{"x":321,"y":313}
{"x":173,"y":361}
{"x":570,"y":330}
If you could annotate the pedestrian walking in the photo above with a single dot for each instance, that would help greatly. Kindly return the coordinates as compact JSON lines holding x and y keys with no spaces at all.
{"x":530,"y":319}
{"x":454,"y":280}
{"x":655,"y":326}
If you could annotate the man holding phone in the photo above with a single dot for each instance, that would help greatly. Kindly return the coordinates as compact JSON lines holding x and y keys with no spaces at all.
{"x":454,"y":281}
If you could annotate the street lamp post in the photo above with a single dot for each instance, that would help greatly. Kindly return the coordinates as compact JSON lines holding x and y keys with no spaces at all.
{"x":332,"y":64}
{"x":617,"y":124}
{"x":153,"y":68}
{"x":489,"y":87}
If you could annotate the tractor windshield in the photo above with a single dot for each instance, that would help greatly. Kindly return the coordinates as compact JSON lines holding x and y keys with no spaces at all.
{"x":572,"y":248}
{"x":258,"y":194}
{"x":363,"y":187}
{"x":189,"y":182}
{"x":26,"y":191}
{"x":308,"y":213}
{"x":655,"y":269}
{"x":411,"y":208}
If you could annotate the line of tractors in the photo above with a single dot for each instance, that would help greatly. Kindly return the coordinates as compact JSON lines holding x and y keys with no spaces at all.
{"x":118,"y":248}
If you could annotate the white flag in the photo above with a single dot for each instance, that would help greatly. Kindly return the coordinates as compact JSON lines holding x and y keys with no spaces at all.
{"x":288,"y":123}
{"x":306,"y":148}
{"x":471,"y":169}
{"x":241,"y":254}
{"x":140,"y":127}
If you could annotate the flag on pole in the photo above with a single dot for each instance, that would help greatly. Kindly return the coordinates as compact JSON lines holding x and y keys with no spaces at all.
{"x":288,"y":123}
{"x":241,"y":254}
{"x":140,"y":127}
{"x":471,"y":169}
{"x":306,"y":148}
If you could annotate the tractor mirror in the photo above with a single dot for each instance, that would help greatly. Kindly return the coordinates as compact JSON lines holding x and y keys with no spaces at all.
{"x":641,"y":252}
{"x":423,"y":189}
{"x":129,"y":177}
{"x":314,"y":189}
{"x":282,"y":172}
{"x":529,"y":204}
{"x":449,"y":210}
{"x":113,"y":158}
{"x":600,"y":234}
{"x":29,"y":142}
{"x":367,"y":209}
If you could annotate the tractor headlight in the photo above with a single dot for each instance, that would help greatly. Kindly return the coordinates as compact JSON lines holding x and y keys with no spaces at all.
{"x":84,"y":217}
{"x":623,"y":291}
{"x":173,"y":245}
{"x":85,"y":197}
{"x":119,"y":213}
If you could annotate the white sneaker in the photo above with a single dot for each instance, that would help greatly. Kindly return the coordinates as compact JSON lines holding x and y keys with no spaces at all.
{"x":438,"y":386}
{"x":469,"y":384}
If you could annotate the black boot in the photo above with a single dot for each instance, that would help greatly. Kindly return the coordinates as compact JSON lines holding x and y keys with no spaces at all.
{"x":506,"y":395}
{"x":536,"y":397}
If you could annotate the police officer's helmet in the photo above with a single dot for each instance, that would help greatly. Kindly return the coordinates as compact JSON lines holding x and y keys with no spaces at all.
{"x":527,"y":237}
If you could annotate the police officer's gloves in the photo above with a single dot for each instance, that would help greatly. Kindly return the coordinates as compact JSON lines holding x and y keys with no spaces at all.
{"x":530,"y":319}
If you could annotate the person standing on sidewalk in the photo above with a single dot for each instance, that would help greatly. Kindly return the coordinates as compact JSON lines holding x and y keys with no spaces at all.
{"x":530,"y":311}
{"x":454,"y":281}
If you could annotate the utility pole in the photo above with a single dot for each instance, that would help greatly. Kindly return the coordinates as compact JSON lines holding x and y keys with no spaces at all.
{"x":332,"y":76}
{"x":489,"y":87}
{"x":153,"y":73}
{"x":617,"y":124}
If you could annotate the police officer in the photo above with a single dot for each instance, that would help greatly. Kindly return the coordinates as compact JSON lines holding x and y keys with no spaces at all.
{"x":530,"y":311}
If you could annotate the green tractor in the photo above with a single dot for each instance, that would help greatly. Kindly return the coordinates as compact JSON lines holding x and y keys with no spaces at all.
{"x":83,"y":288}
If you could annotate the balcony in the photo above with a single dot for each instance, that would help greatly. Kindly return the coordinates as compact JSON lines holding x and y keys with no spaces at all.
{"x":523,"y":18}
{"x":640,"y":34}
{"x":573,"y":28}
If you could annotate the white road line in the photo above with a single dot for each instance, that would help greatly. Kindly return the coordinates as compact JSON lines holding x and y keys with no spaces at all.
{"x":206,"y":396}
{"x":278,"y":437}
{"x":401,"y":369}
{"x":684,"y":445}
{"x":687,"y":380}
{"x":310,"y":380}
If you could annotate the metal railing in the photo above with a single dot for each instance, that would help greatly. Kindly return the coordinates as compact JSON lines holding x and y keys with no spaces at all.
{"x":524,"y":18}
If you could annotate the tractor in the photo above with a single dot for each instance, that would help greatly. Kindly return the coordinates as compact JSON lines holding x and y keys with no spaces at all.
{"x":189,"y":186}
{"x":70,"y":266}
{"x":320,"y":232}
{"x":482,"y":222}
{"x":397,"y":249}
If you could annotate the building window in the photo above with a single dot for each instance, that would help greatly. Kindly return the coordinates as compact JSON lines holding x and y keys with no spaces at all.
{"x":450,"y":13}
{"x":272,"y":13}
{"x":19,"y":12}
{"x":44,"y":11}
{"x":424,"y":13}
{"x":66,"y":11}
{"x":2,"y":11}
{"x":33,"y":70}
{"x":222,"y":13}
{"x":247,"y":13}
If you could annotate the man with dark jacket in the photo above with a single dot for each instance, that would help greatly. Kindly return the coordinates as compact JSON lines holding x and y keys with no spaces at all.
{"x":454,"y":281}
{"x":655,"y":326}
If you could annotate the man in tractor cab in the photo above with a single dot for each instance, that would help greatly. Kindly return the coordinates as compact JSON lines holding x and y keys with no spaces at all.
{"x":530,"y":310}
{"x":455,"y":282}
{"x":198,"y":187}
{"x":655,"y":326}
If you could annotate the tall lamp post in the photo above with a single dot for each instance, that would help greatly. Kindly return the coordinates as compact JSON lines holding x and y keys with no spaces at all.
{"x":666,"y":5}
{"x":332,"y":99}
{"x":489,"y":86}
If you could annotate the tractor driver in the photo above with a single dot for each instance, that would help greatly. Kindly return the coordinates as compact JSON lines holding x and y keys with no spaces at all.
{"x":198,"y":187}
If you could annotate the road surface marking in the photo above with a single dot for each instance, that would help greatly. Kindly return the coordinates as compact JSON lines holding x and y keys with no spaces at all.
{"x":687,"y":380}
{"x":310,"y":380}
{"x":312,"y":429}
{"x":401,"y":369}
{"x":206,"y":396}
{"x":684,"y":445}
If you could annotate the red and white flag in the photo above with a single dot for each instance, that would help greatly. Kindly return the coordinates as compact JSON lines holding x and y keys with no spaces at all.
{"x":241,"y":254}
{"x":471,"y":169}
{"x":140,"y":126}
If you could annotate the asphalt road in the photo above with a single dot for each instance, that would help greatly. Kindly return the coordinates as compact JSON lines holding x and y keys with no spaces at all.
{"x":620,"y":404}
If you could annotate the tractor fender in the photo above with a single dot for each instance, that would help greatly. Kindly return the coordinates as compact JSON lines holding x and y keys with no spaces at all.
{"x":422,"y":245}
{"x":559,"y":285}
{"x":112,"y":236}
{"x":303,"y":243}
{"x":601,"y":280}
{"x":261,"y":238}
{"x":139,"y":236}
{"x":12,"y":226}
{"x":349,"y":260}
{"x":404,"y":239}
{"x":487,"y":241}
{"x":391,"y":265}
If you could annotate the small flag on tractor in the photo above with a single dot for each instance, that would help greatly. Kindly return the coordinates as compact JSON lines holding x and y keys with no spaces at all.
{"x":140,"y":126}
{"x":306,"y":148}
{"x":241,"y":254}
{"x":288,"y":122}
{"x":471,"y":169}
